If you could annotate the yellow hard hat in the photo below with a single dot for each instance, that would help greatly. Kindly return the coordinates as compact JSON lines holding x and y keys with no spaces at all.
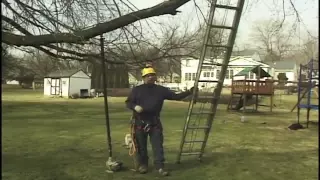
{"x":148,"y":70}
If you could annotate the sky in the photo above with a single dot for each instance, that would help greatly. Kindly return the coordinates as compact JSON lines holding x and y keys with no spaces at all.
{"x":254,"y":10}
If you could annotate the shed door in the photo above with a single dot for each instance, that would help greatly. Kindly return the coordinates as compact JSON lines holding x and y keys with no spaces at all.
{"x":55,"y":86}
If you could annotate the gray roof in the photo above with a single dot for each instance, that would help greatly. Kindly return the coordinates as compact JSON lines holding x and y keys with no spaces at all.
{"x":63,"y":73}
{"x":284,"y":64}
{"x":245,"y":52}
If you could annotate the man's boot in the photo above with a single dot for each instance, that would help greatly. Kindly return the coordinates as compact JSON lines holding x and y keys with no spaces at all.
{"x":143,"y":169}
{"x":163,"y":172}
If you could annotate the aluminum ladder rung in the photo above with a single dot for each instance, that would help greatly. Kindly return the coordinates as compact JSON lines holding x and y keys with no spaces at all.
{"x":226,"y":7}
{"x":218,"y":46}
{"x":197,"y":113}
{"x":209,"y":81}
{"x":221,"y":27}
{"x":264,"y":105}
{"x":190,"y":153}
{"x":194,"y":141}
{"x":198,"y":127}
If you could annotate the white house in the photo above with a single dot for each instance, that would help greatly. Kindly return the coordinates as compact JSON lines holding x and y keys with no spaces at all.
{"x":66,"y":83}
{"x":189,"y":69}
{"x":288,"y":67}
{"x":12,"y":82}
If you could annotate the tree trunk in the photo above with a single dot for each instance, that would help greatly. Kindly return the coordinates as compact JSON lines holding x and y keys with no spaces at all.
{"x":117,"y":76}
{"x":96,"y":75}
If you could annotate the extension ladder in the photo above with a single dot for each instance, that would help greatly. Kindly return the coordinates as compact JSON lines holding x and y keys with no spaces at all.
{"x":192,"y":123}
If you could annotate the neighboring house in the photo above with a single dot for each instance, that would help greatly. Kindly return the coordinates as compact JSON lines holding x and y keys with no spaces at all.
{"x":12,"y":82}
{"x":66,"y":83}
{"x":254,"y":54}
{"x":189,"y":69}
{"x":289,"y":67}
{"x":174,"y":77}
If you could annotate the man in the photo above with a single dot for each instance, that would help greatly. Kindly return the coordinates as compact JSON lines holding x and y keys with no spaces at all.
{"x":146,"y":101}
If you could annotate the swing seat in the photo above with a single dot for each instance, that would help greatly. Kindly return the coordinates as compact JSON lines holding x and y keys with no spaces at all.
{"x":311,"y":106}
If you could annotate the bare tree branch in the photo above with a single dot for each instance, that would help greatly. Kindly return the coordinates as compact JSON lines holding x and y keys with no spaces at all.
{"x":167,"y":7}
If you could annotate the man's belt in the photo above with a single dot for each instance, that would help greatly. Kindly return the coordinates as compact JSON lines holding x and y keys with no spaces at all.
{"x":146,"y":125}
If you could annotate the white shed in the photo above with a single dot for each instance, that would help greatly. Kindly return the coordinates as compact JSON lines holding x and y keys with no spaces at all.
{"x":66,"y":83}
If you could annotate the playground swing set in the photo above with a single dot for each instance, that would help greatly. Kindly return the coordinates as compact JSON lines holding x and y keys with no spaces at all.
{"x":305,"y":91}
{"x":246,"y":89}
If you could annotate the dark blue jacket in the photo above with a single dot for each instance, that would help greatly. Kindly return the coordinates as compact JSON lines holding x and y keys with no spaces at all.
{"x":151,"y":97}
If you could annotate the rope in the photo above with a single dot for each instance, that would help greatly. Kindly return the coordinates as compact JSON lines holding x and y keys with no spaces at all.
{"x":133,"y":147}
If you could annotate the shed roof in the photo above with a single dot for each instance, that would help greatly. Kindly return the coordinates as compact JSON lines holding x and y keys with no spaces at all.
{"x":63,"y":73}
{"x":255,"y":70}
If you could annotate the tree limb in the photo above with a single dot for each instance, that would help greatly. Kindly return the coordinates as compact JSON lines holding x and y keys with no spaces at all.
{"x":167,"y":7}
{"x":81,"y":56}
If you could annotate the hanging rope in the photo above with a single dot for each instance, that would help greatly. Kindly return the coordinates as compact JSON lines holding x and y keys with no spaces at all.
{"x":133,"y":146}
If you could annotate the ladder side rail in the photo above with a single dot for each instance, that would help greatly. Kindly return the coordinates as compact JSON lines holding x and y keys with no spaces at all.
{"x":199,"y":68}
{"x":309,"y":70}
{"x":227,"y":55}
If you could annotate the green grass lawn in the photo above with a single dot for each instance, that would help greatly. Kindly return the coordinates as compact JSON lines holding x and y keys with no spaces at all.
{"x":61,"y":139}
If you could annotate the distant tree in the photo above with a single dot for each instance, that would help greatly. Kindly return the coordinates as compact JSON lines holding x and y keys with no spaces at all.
{"x":273,"y":37}
{"x":282,"y":77}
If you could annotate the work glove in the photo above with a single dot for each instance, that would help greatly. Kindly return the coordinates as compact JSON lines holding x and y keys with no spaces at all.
{"x":138,"y":109}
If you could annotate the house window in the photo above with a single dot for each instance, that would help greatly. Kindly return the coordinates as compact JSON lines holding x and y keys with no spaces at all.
{"x":190,"y":76}
{"x":194,"y":76}
{"x":206,"y":74}
{"x":218,"y":74}
{"x":187,"y":76}
{"x":227,"y":75}
{"x":212,"y":74}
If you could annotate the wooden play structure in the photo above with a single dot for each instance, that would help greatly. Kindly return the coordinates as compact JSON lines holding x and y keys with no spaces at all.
{"x":245,"y":89}
{"x":307,"y":87}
